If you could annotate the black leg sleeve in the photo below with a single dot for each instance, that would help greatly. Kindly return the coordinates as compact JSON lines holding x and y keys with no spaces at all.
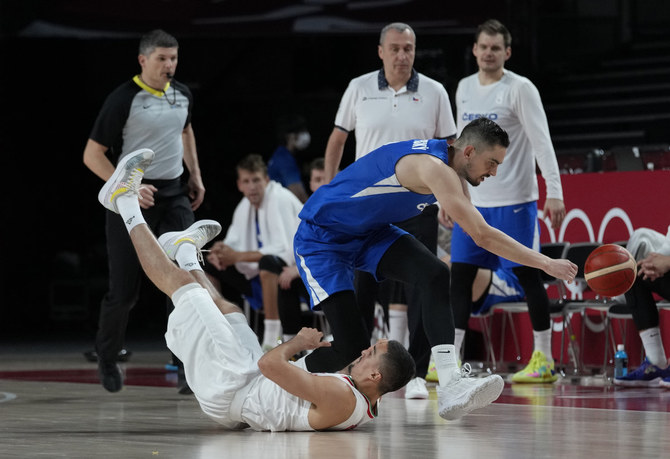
{"x":536,"y":296}
{"x":350,"y":336}
{"x":409,"y":261}
{"x":462,"y":277}
{"x":367,"y":289}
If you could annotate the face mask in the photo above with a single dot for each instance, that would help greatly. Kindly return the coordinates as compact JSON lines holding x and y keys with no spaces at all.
{"x":302,"y":140}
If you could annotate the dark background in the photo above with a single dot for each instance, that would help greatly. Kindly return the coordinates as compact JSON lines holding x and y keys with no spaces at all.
{"x":247,"y":62}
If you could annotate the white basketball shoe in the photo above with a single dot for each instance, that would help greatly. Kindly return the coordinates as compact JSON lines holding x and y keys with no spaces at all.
{"x":464,"y":393}
{"x":416,"y":389}
{"x":198,"y":234}
{"x":126,"y":178}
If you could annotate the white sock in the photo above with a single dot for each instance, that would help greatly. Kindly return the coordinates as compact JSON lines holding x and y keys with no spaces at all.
{"x":129,"y":208}
{"x":398,"y":326}
{"x":272,"y":331}
{"x":187,"y":257}
{"x":458,"y":341}
{"x":446,"y":362}
{"x":653,"y":347}
{"x":287,"y":336}
{"x":542,"y":340}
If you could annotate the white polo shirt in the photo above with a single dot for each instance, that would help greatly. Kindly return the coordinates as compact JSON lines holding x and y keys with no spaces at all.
{"x":514,"y":103}
{"x":380,"y":115}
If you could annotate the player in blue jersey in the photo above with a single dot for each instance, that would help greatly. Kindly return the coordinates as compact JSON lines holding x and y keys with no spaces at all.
{"x":347,"y":225}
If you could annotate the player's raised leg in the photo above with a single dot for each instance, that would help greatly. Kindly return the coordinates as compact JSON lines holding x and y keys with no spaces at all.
{"x":120,"y":194}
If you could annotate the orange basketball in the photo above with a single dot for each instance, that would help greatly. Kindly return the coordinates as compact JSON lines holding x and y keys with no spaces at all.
{"x":610,"y":270}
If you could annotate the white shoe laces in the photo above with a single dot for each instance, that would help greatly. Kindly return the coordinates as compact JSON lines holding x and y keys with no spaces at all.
{"x":466,"y":370}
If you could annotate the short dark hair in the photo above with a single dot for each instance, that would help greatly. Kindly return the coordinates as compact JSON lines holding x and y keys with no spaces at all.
{"x":317,"y":163}
{"x":397,"y":368}
{"x":156,"y":39}
{"x":253,"y":163}
{"x":494,"y":27}
{"x":482,"y":131}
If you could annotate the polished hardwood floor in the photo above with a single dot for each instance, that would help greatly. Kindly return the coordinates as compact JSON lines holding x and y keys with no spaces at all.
{"x":51,"y":405}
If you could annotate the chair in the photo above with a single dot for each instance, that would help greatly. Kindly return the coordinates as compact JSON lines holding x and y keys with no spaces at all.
{"x":622,"y":314}
{"x":552,"y":250}
{"x":578,"y":253}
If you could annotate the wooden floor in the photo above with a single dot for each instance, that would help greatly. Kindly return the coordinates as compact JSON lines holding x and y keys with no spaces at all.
{"x":51,"y":405}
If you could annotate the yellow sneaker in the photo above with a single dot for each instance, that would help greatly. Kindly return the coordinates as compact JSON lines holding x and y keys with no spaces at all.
{"x":431,"y":376}
{"x":538,"y":370}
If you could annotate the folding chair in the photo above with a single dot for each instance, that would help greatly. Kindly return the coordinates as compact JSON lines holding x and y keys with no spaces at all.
{"x":578,"y":253}
{"x":552,"y":250}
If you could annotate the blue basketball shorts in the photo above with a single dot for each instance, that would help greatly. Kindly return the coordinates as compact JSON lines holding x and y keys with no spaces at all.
{"x":518,"y":221}
{"x":327,"y":259}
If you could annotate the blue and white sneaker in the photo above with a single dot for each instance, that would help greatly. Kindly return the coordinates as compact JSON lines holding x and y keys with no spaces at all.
{"x":665,"y":382}
{"x":646,"y":375}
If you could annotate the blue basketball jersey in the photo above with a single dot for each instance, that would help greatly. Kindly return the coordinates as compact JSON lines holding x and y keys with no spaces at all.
{"x":367,"y":195}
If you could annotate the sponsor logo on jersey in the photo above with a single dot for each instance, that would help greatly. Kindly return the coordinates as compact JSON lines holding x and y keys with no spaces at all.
{"x":473,"y":116}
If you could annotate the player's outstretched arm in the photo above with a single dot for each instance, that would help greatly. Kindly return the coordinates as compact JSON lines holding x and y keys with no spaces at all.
{"x":424,"y":173}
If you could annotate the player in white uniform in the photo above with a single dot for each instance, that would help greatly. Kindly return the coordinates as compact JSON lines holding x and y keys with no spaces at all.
{"x":509,"y":201}
{"x":234,"y":382}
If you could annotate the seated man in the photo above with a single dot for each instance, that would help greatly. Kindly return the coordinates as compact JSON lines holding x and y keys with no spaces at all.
{"x":225,"y":367}
{"x":652,"y":251}
{"x":258,"y":244}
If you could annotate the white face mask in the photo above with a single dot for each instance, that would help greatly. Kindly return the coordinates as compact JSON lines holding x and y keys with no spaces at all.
{"x":302,"y":140}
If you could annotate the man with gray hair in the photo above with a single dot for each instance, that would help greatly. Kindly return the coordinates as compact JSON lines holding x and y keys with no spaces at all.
{"x":150,"y":110}
{"x":393,"y":104}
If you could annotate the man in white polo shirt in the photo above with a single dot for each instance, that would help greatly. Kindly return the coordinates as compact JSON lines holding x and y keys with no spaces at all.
{"x":388,"y":105}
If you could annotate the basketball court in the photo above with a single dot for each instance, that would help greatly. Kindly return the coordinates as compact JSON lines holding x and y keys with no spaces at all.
{"x":52,"y":405}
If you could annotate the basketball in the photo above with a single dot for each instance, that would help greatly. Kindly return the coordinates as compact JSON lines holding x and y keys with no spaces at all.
{"x":610,"y":270}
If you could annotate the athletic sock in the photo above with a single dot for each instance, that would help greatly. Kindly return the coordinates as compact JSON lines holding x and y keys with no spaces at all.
{"x":187,"y":257}
{"x":272,"y":332}
{"x":653,"y":347}
{"x":458,"y":341}
{"x":398,"y":326}
{"x":129,"y":208}
{"x":446,"y":362}
{"x":542,"y":342}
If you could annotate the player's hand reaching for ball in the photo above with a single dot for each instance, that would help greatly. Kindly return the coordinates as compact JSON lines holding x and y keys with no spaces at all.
{"x":562,"y":269}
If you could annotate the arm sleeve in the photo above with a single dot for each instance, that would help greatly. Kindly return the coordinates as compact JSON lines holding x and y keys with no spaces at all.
{"x":534,"y":121}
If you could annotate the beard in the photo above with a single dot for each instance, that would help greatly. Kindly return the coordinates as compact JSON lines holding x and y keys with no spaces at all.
{"x":475,"y":181}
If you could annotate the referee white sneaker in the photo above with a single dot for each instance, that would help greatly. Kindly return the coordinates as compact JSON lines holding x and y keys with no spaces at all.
{"x":464,"y":393}
{"x":198,"y":234}
{"x":416,"y":389}
{"x":126,"y":178}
